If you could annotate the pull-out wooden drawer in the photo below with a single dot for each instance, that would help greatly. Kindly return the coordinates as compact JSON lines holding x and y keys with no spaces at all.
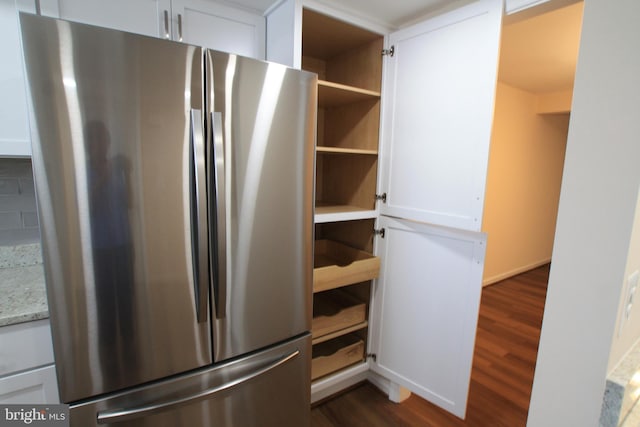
{"x":333,"y":355}
{"x":336,"y":312}
{"x":339,"y":265}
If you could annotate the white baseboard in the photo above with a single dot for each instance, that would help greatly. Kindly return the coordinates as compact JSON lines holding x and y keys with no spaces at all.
{"x":379,"y":381}
{"x":332,"y":384}
{"x":498,"y":277}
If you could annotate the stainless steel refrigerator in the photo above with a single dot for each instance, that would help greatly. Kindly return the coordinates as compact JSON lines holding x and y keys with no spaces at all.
{"x":175,"y":196}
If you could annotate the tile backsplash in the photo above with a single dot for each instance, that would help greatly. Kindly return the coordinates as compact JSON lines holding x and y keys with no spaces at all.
{"x":18,"y":216}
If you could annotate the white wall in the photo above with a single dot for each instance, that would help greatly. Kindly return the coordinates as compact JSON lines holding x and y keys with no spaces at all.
{"x":523,"y":184}
{"x":627,"y":335}
{"x":595,"y":221}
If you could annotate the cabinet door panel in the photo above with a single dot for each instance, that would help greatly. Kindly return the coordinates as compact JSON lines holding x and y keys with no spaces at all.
{"x":24,"y":346}
{"x":14,"y":127}
{"x":37,"y":386}
{"x":136,"y":16}
{"x":439,"y":90}
{"x":426,"y":309}
{"x":219,"y":27}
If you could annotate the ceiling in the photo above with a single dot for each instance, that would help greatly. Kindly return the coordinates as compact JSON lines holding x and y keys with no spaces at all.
{"x":391,"y":14}
{"x":539,"y":45}
{"x":259,"y":5}
{"x":539,"y":54}
{"x":387,"y":14}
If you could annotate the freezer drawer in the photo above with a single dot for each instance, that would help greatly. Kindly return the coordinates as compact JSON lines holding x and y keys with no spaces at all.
{"x":269,"y":388}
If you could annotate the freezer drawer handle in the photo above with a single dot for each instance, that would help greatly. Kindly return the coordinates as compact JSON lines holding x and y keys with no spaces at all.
{"x":126,"y":414}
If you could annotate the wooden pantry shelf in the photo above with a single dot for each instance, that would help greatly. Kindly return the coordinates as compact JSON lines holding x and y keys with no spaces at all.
{"x":326,"y":212}
{"x":338,"y":150}
{"x":335,"y":94}
{"x":339,"y":333}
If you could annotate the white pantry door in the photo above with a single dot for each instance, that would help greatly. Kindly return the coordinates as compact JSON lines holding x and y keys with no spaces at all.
{"x":439,"y":90}
{"x":427,"y":303}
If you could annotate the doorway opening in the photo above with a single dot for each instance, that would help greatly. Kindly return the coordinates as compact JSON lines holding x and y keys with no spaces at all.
{"x":536,"y":73}
{"x":538,"y":57}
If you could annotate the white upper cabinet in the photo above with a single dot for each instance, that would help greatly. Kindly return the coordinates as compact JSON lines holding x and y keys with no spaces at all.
{"x":284,"y":33}
{"x":437,"y":103}
{"x":14,"y":126}
{"x":219,"y":27}
{"x":201,"y":22}
{"x":135,"y":16}
{"x":439,"y":91}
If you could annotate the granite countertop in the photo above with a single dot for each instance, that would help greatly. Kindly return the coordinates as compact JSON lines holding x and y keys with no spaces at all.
{"x":22,"y":290}
{"x":620,"y":404}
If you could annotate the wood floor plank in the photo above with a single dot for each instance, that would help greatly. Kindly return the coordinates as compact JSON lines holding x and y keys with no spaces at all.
{"x":502,"y":376}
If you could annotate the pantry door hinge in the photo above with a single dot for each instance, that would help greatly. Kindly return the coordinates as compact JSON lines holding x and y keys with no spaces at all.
{"x":389,"y":52}
{"x":372,"y":356}
{"x":382,"y":197}
{"x":379,"y":232}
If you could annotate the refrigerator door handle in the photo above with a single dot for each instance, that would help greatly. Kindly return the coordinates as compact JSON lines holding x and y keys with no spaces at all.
{"x":220,"y":244}
{"x":126,"y":414}
{"x":167,"y":35}
{"x":199,"y":216}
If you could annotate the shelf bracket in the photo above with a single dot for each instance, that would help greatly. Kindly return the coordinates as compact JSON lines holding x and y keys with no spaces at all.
{"x":389,"y":52}
{"x":382,"y":197}
{"x":379,"y":232}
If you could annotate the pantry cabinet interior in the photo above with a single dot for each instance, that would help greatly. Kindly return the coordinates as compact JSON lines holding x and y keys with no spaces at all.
{"x":349,"y":67}
{"x":419,"y":195}
{"x":348,"y":62}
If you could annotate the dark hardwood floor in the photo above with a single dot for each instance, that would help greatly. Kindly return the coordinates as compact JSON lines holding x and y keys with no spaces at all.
{"x":501,"y":378}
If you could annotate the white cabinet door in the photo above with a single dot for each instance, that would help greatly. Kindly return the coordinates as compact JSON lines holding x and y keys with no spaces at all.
{"x":37,"y":386}
{"x":426,"y":309}
{"x":199,"y":22}
{"x":439,"y":90}
{"x":216,"y":26}
{"x":136,"y":16}
{"x":14,"y":126}
{"x":24,"y":346}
